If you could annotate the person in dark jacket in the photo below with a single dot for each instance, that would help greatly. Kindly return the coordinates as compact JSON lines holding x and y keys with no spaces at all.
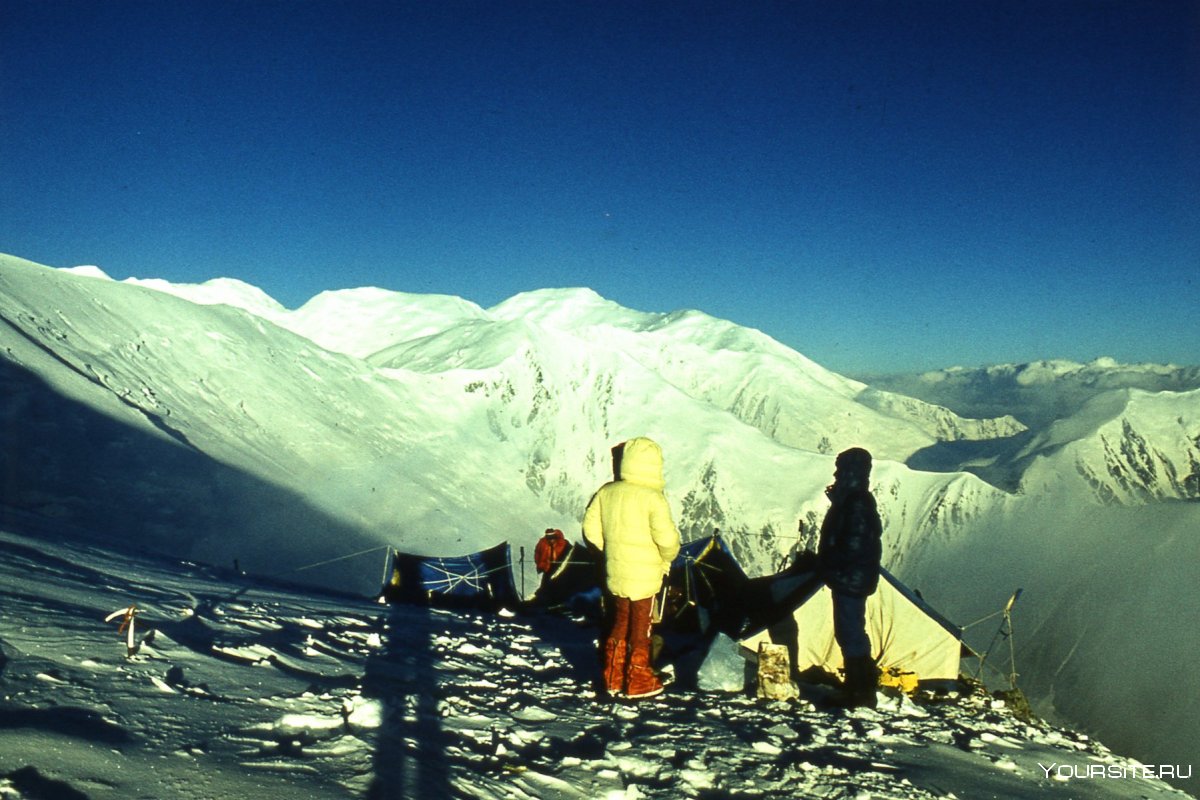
{"x":848,"y":556}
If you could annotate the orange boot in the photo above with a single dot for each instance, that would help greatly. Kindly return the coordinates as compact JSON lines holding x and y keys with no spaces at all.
{"x":616,"y":647}
{"x":614,"y":667}
{"x":640,"y":681}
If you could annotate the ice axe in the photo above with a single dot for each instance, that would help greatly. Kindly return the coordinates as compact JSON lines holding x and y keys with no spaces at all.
{"x":127,"y":616}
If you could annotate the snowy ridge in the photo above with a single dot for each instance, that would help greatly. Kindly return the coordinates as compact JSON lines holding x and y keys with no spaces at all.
{"x":1144,"y":448}
{"x":773,"y":388}
{"x":1037,"y":393}
{"x":360,"y":322}
{"x":940,"y":423}
{"x":221,"y":425}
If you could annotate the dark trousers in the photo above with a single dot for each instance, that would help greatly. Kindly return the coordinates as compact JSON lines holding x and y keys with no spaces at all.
{"x":850,"y":625}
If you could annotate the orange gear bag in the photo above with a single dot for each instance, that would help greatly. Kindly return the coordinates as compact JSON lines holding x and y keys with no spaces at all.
{"x":550,"y":548}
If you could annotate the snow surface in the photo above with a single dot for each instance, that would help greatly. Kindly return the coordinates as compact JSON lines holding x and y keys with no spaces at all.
{"x":239,"y":689}
{"x":208,"y":423}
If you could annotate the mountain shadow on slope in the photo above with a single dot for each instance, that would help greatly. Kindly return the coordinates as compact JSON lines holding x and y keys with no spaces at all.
{"x":69,"y":469}
{"x":997,"y":461}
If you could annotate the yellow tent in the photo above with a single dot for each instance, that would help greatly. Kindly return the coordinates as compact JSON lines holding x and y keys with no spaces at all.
{"x":906,"y":633}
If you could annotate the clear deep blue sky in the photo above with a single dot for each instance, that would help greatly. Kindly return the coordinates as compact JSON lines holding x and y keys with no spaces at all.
{"x":880,"y":185}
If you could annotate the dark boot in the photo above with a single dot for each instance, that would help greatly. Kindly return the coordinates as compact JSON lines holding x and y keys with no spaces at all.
{"x":862,"y":679}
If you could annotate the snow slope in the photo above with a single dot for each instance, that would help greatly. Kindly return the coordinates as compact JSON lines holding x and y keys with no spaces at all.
{"x":763,"y":383}
{"x":1104,"y":630}
{"x":240,"y":689}
{"x":140,"y":415}
{"x":1138,"y":447}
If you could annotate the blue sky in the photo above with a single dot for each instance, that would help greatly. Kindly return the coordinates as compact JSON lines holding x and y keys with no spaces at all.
{"x":883,"y":186}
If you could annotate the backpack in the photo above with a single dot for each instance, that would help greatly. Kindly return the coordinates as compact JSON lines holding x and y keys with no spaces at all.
{"x":550,"y":548}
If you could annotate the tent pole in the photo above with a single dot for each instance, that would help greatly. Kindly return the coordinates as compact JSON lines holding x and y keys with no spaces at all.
{"x":1006,"y":631}
{"x":387,"y":556}
{"x":1012,"y":650}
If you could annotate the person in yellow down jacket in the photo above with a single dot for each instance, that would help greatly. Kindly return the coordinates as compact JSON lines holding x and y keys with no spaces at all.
{"x":630,"y":522}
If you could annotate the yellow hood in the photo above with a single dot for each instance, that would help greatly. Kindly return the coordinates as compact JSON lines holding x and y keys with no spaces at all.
{"x":630,"y":520}
{"x":642,"y":463}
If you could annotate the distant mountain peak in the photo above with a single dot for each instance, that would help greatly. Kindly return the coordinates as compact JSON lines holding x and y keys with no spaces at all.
{"x":88,"y":270}
{"x":567,"y":309}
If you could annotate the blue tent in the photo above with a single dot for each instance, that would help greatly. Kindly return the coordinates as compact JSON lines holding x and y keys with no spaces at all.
{"x":704,"y":587}
{"x":480,"y":580}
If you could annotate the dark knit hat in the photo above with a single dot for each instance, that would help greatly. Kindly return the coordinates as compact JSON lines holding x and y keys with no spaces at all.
{"x":856,"y":459}
{"x":852,"y":470}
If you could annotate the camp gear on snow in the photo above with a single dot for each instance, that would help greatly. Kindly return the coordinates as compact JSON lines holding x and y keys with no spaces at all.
{"x":902,"y":680}
{"x":630,"y":521}
{"x":704,"y":588}
{"x":658,"y":607}
{"x":1005,"y":630}
{"x":127,"y":615}
{"x":775,"y":673}
{"x":574,"y":583}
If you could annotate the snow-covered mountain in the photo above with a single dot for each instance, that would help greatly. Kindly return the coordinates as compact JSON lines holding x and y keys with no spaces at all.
{"x":431,"y":424}
{"x":1127,"y":446}
{"x":211,"y":423}
{"x":1119,"y":445}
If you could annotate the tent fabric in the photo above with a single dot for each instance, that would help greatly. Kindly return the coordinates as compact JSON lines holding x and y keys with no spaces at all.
{"x":578,"y":573}
{"x":906,"y":633}
{"x":477,"y":580}
{"x":704,"y":565}
{"x":704,"y":586}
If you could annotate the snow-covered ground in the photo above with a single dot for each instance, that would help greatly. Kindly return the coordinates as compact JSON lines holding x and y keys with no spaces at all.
{"x":240,"y":689}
